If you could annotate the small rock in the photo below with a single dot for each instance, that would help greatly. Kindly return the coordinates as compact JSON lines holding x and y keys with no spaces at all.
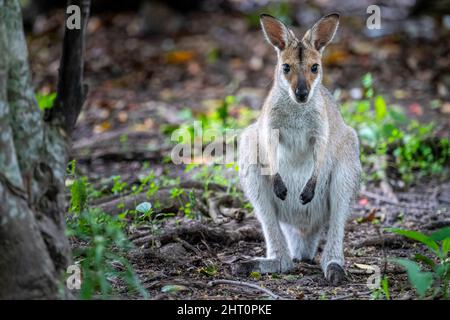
{"x":356,"y":93}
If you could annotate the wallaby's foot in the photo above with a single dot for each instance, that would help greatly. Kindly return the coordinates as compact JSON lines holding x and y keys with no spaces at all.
{"x":262,"y":265}
{"x":306,"y":260}
{"x":279,"y":187}
{"x":309,"y":261}
{"x":335,"y":274}
{"x":308,"y":191}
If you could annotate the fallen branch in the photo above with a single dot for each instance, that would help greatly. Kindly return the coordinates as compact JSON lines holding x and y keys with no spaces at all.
{"x":213,"y":210}
{"x":234,"y":213}
{"x":245,"y":284}
{"x":225,"y":205}
{"x":195,"y":231}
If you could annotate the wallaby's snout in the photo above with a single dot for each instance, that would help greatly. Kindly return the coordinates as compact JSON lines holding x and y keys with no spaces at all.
{"x":302,"y":92}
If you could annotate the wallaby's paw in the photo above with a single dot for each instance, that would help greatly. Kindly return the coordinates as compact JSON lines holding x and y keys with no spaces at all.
{"x":279,"y":187}
{"x":335,"y":274}
{"x":307,"y":261}
{"x":308,"y":192}
{"x":262,"y":265}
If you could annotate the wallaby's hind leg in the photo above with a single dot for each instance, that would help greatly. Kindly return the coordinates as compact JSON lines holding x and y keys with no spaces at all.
{"x":343,"y":186}
{"x":259,"y":191}
{"x":277,"y":258}
{"x":302,"y":247}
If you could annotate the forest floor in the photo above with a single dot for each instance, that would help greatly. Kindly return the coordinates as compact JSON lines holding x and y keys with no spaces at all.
{"x":140,"y":84}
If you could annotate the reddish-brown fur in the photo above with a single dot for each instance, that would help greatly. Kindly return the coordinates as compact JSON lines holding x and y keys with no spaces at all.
{"x":300,"y":57}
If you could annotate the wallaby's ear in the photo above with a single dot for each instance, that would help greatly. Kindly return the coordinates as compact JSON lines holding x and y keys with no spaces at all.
{"x":321,"y":34}
{"x":275,"y":31}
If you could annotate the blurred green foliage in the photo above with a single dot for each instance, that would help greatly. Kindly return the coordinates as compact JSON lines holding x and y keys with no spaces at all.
{"x":393,"y":143}
{"x":280,"y":9}
{"x":102,"y":253}
{"x":437,"y":279}
{"x":45,"y":101}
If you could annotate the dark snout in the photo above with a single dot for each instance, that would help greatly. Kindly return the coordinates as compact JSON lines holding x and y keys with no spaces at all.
{"x":301,"y":92}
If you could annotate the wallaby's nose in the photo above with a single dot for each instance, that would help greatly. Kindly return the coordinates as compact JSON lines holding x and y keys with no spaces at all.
{"x":301,"y":94}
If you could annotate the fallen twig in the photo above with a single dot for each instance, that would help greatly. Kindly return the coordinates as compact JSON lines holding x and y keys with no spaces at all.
{"x":195,"y":231}
{"x":213,"y":210}
{"x":219,"y":207}
{"x":245,"y":284}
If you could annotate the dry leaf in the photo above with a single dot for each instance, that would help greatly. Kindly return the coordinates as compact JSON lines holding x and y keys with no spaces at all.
{"x":365,"y":267}
{"x":102,"y":127}
{"x":177,"y":57}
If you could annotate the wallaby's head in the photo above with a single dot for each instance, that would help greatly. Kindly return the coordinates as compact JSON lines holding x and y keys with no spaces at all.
{"x":299,"y":67}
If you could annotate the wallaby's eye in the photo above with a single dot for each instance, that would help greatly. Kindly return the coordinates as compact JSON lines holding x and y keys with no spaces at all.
{"x":315,"y":68}
{"x":286,"y":68}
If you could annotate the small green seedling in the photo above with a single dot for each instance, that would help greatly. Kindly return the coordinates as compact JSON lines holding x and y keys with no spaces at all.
{"x":438,"y":277}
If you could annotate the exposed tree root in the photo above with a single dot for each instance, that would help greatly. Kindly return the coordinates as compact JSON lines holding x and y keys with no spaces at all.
{"x":219,"y":207}
{"x":195,"y":231}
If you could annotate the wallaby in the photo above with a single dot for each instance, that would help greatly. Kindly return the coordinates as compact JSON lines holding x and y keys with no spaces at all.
{"x":314,"y":166}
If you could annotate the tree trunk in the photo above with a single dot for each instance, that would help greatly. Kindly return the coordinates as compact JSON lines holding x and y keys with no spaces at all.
{"x":33,"y":157}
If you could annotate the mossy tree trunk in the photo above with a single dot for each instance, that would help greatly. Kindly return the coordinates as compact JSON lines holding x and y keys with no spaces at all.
{"x":34,"y":251}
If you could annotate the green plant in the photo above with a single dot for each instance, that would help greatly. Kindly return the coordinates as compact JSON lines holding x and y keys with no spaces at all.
{"x":221,"y":174}
{"x":392,"y":143}
{"x":118,"y":185}
{"x":45,"y":101}
{"x":383,"y":290}
{"x":220,"y":116}
{"x":145,"y":209}
{"x":438,"y":277}
{"x":102,"y":244}
{"x":209,"y":270}
{"x":102,"y":254}
{"x":148,"y":183}
{"x":280,"y":9}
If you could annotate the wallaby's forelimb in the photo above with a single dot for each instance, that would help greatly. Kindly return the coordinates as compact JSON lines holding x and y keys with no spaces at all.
{"x":279,"y":187}
{"x":319,"y":149}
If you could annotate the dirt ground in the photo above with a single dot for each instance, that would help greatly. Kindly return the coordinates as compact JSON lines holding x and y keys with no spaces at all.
{"x":139,"y":82}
